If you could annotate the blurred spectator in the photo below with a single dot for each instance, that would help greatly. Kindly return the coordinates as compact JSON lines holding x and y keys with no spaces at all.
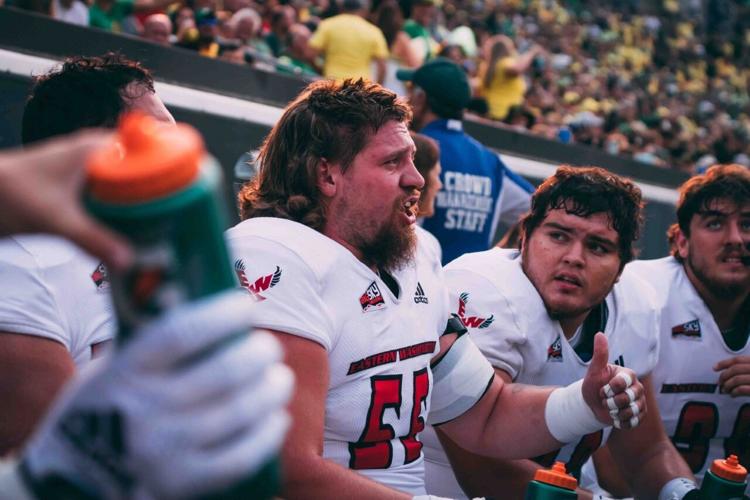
{"x":237,"y":5}
{"x":110,"y":14}
{"x":183,"y":26}
{"x":282,"y":18}
{"x":208,"y":27}
{"x":349,"y":44}
{"x":71,"y":11}
{"x":157,"y":28}
{"x":502,"y":75}
{"x":298,"y":59}
{"x":419,"y":26}
{"x":390,"y":20}
{"x":244,"y":30}
{"x":427,"y":161}
{"x":670,"y":87}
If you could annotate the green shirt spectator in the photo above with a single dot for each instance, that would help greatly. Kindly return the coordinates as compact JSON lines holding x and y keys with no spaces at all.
{"x":108,"y":15}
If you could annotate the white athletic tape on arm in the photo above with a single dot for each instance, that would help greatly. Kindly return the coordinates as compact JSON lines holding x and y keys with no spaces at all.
{"x":11,"y":484}
{"x":677,"y":488}
{"x":567,"y":415}
{"x":460,"y":379}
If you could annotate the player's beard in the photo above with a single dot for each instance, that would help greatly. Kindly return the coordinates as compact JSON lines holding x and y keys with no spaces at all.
{"x":718,"y":288}
{"x":392,"y":246}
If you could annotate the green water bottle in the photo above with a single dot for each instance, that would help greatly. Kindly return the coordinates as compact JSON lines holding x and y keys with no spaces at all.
{"x":726,"y":479}
{"x":552,"y":484}
{"x":159,"y":188}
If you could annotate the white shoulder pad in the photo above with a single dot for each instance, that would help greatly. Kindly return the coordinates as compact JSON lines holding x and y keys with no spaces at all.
{"x":460,"y":379}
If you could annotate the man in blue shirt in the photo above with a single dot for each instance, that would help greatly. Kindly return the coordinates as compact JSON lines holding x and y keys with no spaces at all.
{"x":479,"y":191}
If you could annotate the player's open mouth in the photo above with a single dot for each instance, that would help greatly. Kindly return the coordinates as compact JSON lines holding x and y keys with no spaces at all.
{"x":736,"y":258}
{"x":411,"y":207}
{"x":566,"y":278}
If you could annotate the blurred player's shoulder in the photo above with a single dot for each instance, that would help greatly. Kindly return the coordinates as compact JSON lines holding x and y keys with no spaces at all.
{"x":660,"y":274}
{"x":39,"y":250}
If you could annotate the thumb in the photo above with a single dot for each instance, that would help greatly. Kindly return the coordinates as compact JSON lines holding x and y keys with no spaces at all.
{"x":600,"y":357}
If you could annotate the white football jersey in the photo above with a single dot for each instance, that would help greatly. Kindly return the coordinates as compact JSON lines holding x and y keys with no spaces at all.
{"x":379,"y":344}
{"x":50,"y":288}
{"x":508,"y":321}
{"x":704,"y":424}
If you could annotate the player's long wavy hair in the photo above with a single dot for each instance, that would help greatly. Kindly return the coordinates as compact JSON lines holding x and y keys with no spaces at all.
{"x":585,"y":191}
{"x":331,"y":120}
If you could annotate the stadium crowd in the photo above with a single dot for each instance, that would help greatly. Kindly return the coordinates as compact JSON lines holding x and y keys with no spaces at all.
{"x":665,"y":83}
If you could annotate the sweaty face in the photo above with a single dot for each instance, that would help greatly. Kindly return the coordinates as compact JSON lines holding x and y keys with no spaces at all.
{"x":717,"y":253}
{"x":573,"y":262}
{"x":374,"y":207}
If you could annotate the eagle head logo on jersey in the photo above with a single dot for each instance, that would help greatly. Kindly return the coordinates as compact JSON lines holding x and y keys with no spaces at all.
{"x":100,"y":276}
{"x":259,"y":285}
{"x":690,"y":330}
{"x":471,"y":321}
{"x":554,"y":351}
{"x":372,"y":299}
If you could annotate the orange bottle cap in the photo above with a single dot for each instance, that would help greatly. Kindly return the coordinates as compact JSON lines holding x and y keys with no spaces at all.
{"x":556,"y":476}
{"x":729,"y":469}
{"x":146,"y":160}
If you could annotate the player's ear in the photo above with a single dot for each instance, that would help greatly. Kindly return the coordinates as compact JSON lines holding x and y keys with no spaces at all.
{"x":327,"y":177}
{"x":682,"y":244}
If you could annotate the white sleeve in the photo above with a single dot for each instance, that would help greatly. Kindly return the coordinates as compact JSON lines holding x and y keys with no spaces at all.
{"x":283,"y":291}
{"x":492,"y":322}
{"x":27,"y":305}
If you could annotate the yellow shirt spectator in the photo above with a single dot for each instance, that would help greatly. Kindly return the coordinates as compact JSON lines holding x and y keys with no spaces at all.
{"x":504,"y":90}
{"x":349,"y":43}
{"x":502,"y":82}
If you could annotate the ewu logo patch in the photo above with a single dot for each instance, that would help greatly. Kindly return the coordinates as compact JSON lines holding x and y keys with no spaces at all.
{"x":100,"y":277}
{"x":259,"y":285}
{"x":471,"y":321}
{"x":372,"y":299}
{"x":554,"y":351}
{"x":419,"y":295}
{"x":690,"y":330}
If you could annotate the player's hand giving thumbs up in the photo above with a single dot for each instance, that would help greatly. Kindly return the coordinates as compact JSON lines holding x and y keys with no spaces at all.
{"x":612,"y":392}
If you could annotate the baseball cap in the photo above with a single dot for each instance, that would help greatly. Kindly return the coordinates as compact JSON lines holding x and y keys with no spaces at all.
{"x":445,"y":84}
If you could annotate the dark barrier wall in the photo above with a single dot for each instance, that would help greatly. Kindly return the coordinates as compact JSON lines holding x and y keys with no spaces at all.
{"x":228,"y":138}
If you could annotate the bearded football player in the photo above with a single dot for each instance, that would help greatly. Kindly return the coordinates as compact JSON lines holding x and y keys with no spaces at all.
{"x":702,"y":378}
